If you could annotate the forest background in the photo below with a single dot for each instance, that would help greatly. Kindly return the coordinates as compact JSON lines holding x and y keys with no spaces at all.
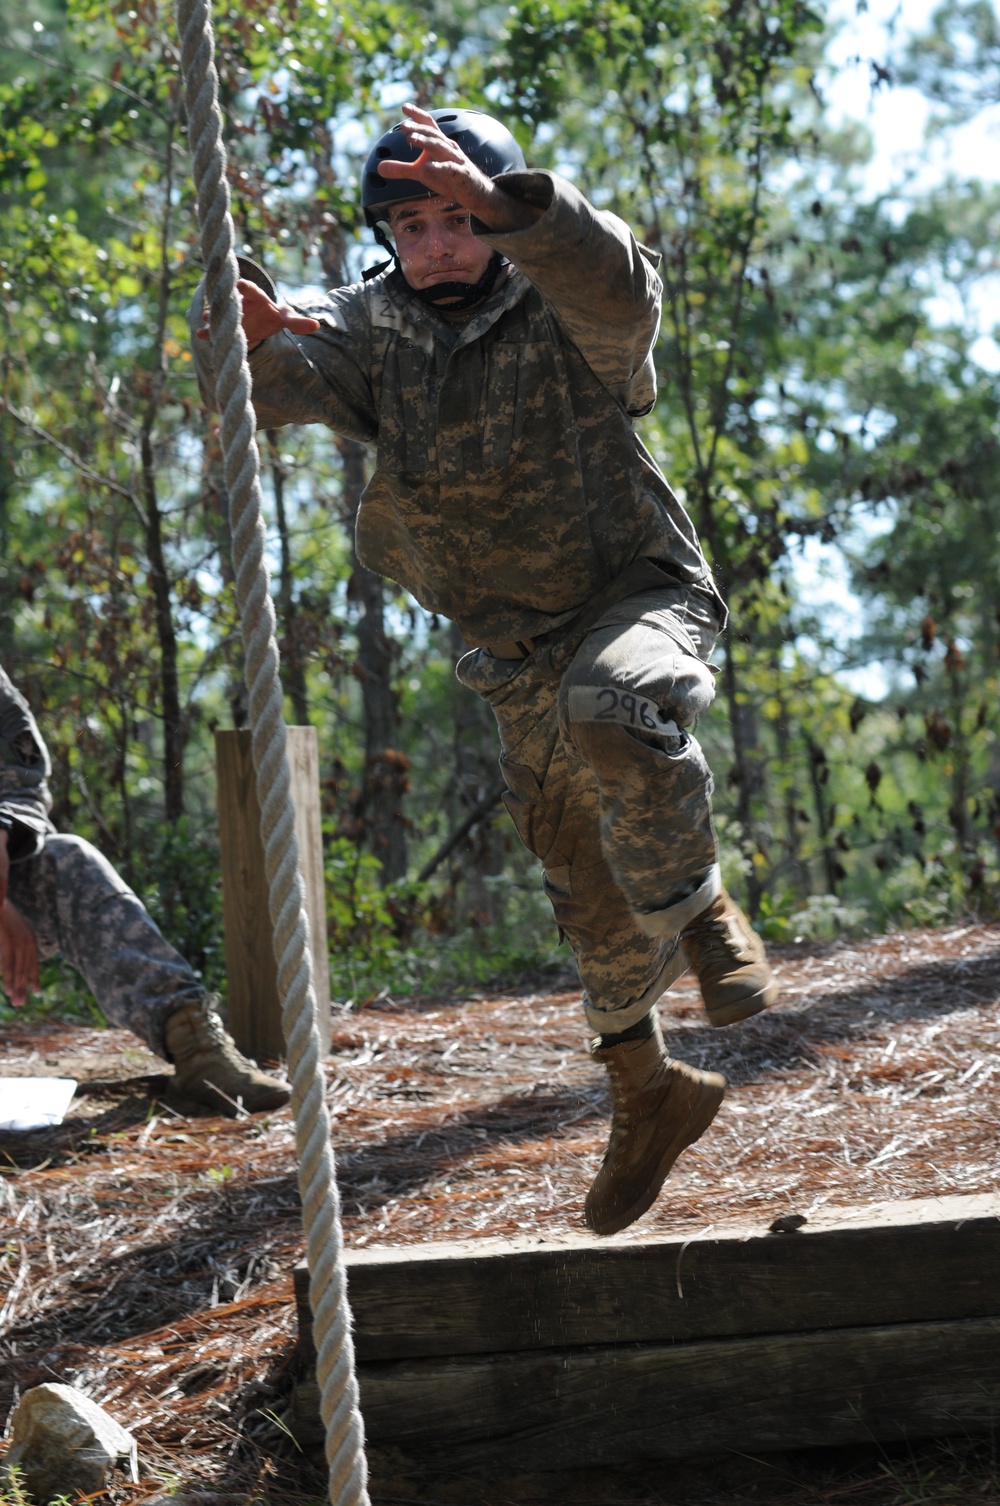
{"x":810,"y":390}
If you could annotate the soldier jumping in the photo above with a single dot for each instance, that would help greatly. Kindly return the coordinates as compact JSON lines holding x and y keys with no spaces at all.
{"x":496,"y":366}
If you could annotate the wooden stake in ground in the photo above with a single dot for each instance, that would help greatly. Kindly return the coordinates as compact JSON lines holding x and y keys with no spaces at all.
{"x":254,"y":1014}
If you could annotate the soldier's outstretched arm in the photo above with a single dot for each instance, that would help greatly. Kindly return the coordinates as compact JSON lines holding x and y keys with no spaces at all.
{"x":310,"y":362}
{"x":600,"y":281}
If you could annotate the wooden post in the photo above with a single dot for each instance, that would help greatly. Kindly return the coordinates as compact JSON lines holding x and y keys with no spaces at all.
{"x":254,"y":1015}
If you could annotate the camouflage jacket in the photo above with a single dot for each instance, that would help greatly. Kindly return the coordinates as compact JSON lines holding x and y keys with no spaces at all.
{"x":510,"y":488}
{"x":24,"y":768}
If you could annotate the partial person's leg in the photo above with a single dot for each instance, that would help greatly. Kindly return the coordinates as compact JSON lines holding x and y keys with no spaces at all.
{"x":659,"y":1106}
{"x":83,"y":910}
{"x":553,"y":801}
{"x":626,"y":704}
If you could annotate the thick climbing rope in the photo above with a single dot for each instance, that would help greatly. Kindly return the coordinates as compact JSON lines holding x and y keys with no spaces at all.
{"x":317,"y":1175}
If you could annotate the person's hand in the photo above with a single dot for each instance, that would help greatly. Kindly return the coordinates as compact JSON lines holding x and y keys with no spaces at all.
{"x":18,"y":956}
{"x":263,"y":317}
{"x":445,"y":169}
{"x":4,"y":866}
{"x":442,"y":166}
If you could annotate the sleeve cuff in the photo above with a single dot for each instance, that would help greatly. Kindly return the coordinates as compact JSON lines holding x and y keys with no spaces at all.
{"x":534,"y":188}
{"x":23,"y":840}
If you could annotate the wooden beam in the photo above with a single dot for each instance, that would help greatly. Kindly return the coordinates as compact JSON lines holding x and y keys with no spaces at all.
{"x":876,"y":1323}
{"x":560,"y":1409}
{"x":254,"y":1014}
{"x":897,"y":1263}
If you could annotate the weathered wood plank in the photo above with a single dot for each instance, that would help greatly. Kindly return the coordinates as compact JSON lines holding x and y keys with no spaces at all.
{"x":925,"y":1261}
{"x":600,"y":1406}
{"x":254,"y":1014}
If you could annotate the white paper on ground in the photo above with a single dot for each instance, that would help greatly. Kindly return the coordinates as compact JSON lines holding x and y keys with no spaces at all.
{"x":34,"y":1102}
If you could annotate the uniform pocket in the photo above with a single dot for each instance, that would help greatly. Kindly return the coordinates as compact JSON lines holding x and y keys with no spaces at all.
{"x":489,"y":677}
{"x":525,"y":805}
{"x":406,"y":419}
{"x":521,"y":395}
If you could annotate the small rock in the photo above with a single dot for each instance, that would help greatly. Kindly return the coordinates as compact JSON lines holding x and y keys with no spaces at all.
{"x":788,"y":1223}
{"x":63,"y":1443}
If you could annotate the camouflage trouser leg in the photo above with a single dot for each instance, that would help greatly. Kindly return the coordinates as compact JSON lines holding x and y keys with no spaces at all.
{"x":610,"y":791}
{"x":81,"y":909}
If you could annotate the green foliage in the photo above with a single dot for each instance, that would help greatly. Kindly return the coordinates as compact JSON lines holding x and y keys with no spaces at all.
{"x":14,"y":1493}
{"x":63,"y":996}
{"x":403,"y":940}
{"x":177,"y":880}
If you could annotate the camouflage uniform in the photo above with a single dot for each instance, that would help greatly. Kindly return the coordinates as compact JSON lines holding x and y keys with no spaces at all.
{"x":73,"y":898}
{"x":511,"y":494}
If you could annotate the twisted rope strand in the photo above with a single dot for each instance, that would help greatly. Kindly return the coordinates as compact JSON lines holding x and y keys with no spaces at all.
{"x":286,"y":896}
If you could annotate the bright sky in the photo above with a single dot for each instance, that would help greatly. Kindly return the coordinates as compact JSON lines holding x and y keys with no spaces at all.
{"x":897,"y":119}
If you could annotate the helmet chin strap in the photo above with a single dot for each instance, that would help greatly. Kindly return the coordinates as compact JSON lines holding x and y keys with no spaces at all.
{"x":456,"y":297}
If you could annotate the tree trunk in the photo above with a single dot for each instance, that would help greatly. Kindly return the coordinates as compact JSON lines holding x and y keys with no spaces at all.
{"x":744,"y":774}
{"x":819,"y":772}
{"x":174,"y":731}
{"x":385,"y":780}
{"x":293,"y":669}
{"x":170,"y":700}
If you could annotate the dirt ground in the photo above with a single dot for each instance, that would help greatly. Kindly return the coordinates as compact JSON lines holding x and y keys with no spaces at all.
{"x":147,"y":1257}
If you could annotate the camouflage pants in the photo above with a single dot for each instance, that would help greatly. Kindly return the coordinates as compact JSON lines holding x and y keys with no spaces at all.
{"x":82,"y":910}
{"x":609,"y":789}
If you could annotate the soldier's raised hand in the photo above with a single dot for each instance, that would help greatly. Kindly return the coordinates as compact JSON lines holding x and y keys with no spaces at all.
{"x":442,"y":166}
{"x":263,"y":317}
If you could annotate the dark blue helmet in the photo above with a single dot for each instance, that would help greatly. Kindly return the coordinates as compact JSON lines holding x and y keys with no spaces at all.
{"x":484,"y":140}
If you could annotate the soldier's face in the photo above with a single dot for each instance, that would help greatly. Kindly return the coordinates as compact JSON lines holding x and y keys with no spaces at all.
{"x":435,"y":243}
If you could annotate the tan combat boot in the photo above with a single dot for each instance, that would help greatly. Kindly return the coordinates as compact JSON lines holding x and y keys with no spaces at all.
{"x":730,"y":963}
{"x":658,"y":1108}
{"x":209,"y":1069}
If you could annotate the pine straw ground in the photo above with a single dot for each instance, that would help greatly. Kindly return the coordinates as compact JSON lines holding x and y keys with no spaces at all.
{"x":148,"y":1257}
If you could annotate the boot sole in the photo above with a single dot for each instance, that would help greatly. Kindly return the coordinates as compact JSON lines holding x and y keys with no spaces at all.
{"x":743,"y":1009}
{"x":706,"y":1105}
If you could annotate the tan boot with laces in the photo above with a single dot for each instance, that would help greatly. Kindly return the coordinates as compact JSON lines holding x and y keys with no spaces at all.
{"x":658,"y":1108}
{"x":728,"y":958}
{"x":210,"y":1070}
